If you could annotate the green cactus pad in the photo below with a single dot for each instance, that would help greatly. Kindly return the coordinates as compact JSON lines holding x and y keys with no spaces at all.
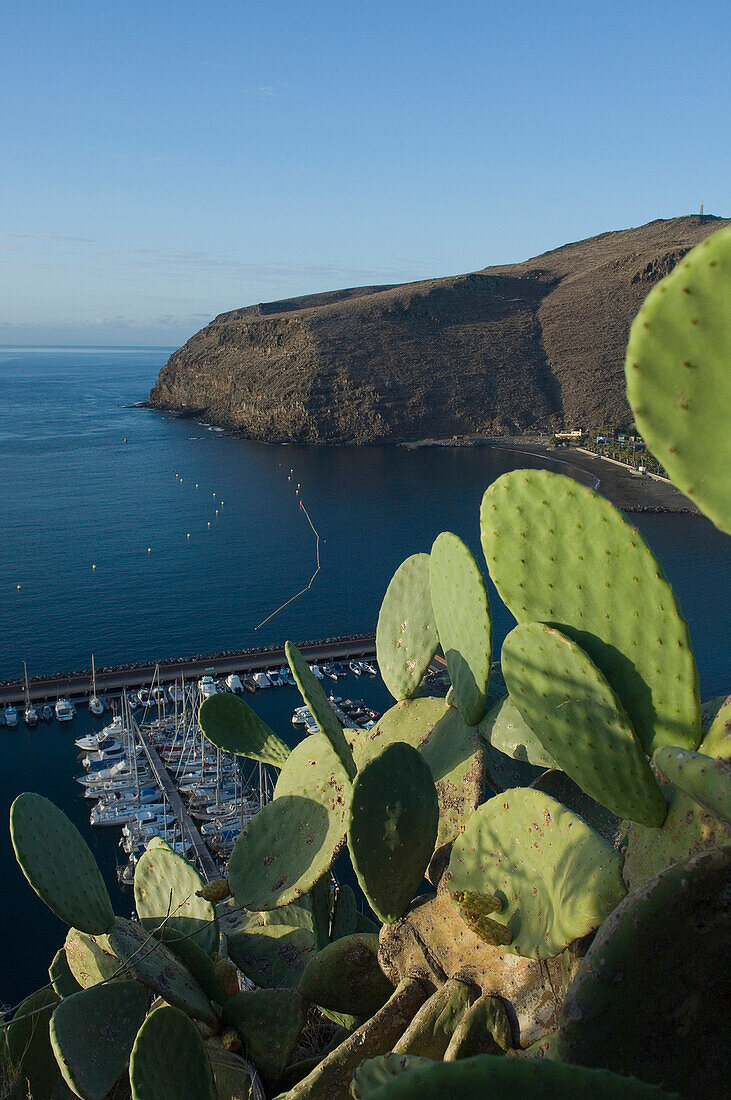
{"x":656,"y":978}
{"x":462,"y":616}
{"x":506,"y":730}
{"x":169,"y":1059}
{"x":569,"y":794}
{"x":71,"y":886}
{"x":496,"y":1076}
{"x":92,"y":1034}
{"x":269,"y":1022}
{"x":314,"y":696}
{"x":689,"y":828}
{"x":289,"y":845}
{"x":345,"y":913}
{"x":705,"y":779}
{"x":195,"y":959}
{"x":392,"y":828}
{"x":454,"y":751}
{"x":346,"y":976}
{"x":233,"y":726}
{"x":678,"y":378}
{"x":379,"y":1071}
{"x":165,"y":886}
{"x":63,"y":982}
{"x":406,"y":634}
{"x":429,"y":1033}
{"x":154,"y":965}
{"x":234,"y":1078}
{"x":26,"y":1054}
{"x":557,"y":879}
{"x":562,"y":694}
{"x":87,"y":961}
{"x":484,"y":1029}
{"x":560,"y":554}
{"x":270,"y":955}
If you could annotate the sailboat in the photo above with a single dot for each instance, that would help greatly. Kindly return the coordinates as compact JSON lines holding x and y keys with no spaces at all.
{"x":95,"y":704}
{"x":31,"y":714}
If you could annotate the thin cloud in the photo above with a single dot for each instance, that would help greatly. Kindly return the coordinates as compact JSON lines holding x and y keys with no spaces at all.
{"x":53,"y":237}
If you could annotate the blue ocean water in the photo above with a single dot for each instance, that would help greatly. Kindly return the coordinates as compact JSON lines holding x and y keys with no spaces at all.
{"x":89,"y":481}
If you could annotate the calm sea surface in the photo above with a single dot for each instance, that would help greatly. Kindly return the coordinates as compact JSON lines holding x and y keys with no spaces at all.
{"x":88,"y":481}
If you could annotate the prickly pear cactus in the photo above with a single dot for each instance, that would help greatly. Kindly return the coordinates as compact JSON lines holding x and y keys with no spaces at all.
{"x":233,"y":726}
{"x":320,"y":707}
{"x":169,"y":1059}
{"x":406,"y":634}
{"x":92,"y":1034}
{"x":289,"y":845}
{"x":166,"y":889}
{"x":71,"y":886}
{"x":269,"y":1022}
{"x":196,"y":960}
{"x":270,"y":955}
{"x":554,"y":877}
{"x":671,"y":935}
{"x":379,"y":1071}
{"x":560,"y":554}
{"x":392,"y":828}
{"x":506,"y":730}
{"x":678,"y":377}
{"x":484,"y":1029}
{"x":346,"y":976}
{"x":431,"y":1030}
{"x":495,"y":1076}
{"x":345,"y":913}
{"x":28,"y":1067}
{"x":705,"y":779}
{"x":564,"y":697}
{"x":454,"y":751}
{"x":63,"y":982}
{"x":462,"y":614}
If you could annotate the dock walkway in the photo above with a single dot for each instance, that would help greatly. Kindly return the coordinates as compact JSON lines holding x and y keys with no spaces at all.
{"x":162,"y":775}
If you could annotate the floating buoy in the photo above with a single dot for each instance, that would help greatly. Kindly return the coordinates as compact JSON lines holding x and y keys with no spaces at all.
{"x":188,"y":535}
{"x":93,"y":567}
{"x":149,"y":549}
{"x":196,"y":484}
{"x":209,"y":523}
{"x":18,"y":588}
{"x":214,"y":494}
{"x":216,"y":511}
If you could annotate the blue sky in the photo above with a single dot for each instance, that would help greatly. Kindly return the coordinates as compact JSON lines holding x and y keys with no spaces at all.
{"x":164,"y":162}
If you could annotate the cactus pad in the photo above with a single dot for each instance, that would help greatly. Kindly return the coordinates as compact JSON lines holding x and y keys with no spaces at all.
{"x":406,"y":634}
{"x":25,"y":1049}
{"x":462,"y":615}
{"x":270,"y":955}
{"x":484,"y":1029}
{"x":165,"y":886}
{"x":392,"y":828}
{"x":506,"y":730}
{"x":72,"y":886}
{"x":289,"y":845}
{"x":169,"y":1059}
{"x":429,"y":1033}
{"x":657,"y":974}
{"x":705,"y":779}
{"x":562,"y":694}
{"x":678,"y":378}
{"x":63,"y":982}
{"x":269,"y":1022}
{"x":557,"y":879}
{"x":87,"y":961}
{"x":92,"y":1034}
{"x":560,"y":554}
{"x":195,"y":959}
{"x":454,"y":751}
{"x":231,"y":725}
{"x":569,"y":794}
{"x":157,"y":967}
{"x":314,"y":696}
{"x":379,"y":1071}
{"x":345,"y":913}
{"x":496,"y":1076}
{"x":346,"y":976}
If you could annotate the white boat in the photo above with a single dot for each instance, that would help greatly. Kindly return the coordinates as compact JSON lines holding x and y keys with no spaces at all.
{"x":261,"y":680}
{"x":206,"y":687}
{"x":10,"y":716}
{"x":274,"y":678}
{"x":95,"y":704}
{"x":355,"y":668}
{"x":64,"y":710}
{"x":176,"y":692}
{"x":233,"y":683}
{"x":317,"y":671}
{"x":30,"y":714}
{"x":92,"y":741}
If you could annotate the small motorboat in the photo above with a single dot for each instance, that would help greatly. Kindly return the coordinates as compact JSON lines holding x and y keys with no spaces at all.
{"x":261,"y":680}
{"x":355,"y":668}
{"x":47,"y":713}
{"x":327,"y":670}
{"x":64,"y":710}
{"x":317,"y":671}
{"x":249,"y":684}
{"x":274,"y":678}
{"x":30,"y":716}
{"x":10,"y":716}
{"x":206,"y":687}
{"x":233,"y":683}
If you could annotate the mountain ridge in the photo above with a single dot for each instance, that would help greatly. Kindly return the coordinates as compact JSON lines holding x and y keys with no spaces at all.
{"x":532,"y":346}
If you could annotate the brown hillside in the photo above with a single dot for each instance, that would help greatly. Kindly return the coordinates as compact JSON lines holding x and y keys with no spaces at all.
{"x":529,"y":346}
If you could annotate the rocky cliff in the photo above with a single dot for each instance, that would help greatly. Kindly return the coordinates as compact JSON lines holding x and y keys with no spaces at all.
{"x":534,"y":346}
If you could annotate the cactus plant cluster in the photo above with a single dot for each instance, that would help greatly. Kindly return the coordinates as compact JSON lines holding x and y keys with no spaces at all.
{"x":561,"y":933}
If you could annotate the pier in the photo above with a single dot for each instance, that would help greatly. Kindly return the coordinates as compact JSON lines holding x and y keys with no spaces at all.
{"x":162,"y":775}
{"x":77,"y":686}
